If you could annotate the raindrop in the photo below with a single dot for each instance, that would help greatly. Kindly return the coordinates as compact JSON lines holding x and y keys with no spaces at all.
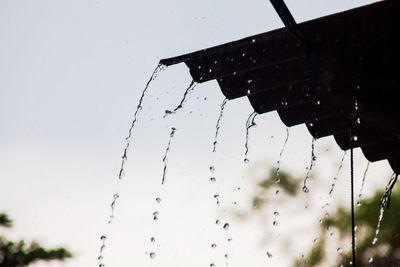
{"x":249,"y":124}
{"x":213,"y":245}
{"x":229,"y":239}
{"x":276,"y":192}
{"x":165,"y":159}
{"x":275,"y":223}
{"x":355,"y":138}
{"x":212,"y":265}
{"x":226,"y":256}
{"x":248,"y":91}
{"x":276,"y":213}
{"x":358,"y":121}
{"x":253,"y":40}
{"x":152,"y":239}
{"x":358,"y":203}
{"x":212,"y":179}
{"x":226,"y":226}
{"x":155,"y":215}
{"x":269,"y":255}
{"x":244,"y":54}
{"x":158,"y":200}
{"x":277,"y":180}
{"x":339,"y":250}
{"x":153,"y":76}
{"x":355,"y":228}
{"x":305,"y":189}
{"x":217,"y":221}
{"x":249,"y":81}
{"x":315,"y":240}
{"x":370,"y":260}
{"x":217,"y":127}
{"x":212,"y":169}
{"x":152,"y":255}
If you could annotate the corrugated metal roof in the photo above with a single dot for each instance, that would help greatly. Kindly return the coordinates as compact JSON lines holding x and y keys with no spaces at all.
{"x":346,"y":76}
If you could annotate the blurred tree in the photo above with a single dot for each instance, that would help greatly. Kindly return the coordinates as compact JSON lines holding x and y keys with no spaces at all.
{"x":14,"y":254}
{"x":384,"y":253}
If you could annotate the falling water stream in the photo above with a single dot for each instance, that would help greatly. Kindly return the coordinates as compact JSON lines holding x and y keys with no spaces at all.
{"x":278,"y":168}
{"x":249,"y":124}
{"x":337,"y":173}
{"x":221,"y":113}
{"x":180,"y":106}
{"x":312,"y":163}
{"x":363,"y":180}
{"x":165,"y":159}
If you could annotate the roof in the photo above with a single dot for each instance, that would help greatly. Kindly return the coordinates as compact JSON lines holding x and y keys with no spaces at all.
{"x":344,"y":79}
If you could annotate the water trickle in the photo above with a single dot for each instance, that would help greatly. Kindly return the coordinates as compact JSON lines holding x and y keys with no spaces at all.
{"x":139,"y":107}
{"x":217,"y":127}
{"x":385,"y":200}
{"x":312,"y":163}
{"x":337,"y":173}
{"x":180,"y":106}
{"x":249,"y":124}
{"x":103,"y":246}
{"x":278,"y":168}
{"x":115,"y":197}
{"x":378,"y":226}
{"x":165,"y":159}
{"x":363,"y":179}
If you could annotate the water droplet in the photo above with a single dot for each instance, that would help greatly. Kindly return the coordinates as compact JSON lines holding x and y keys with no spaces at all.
{"x":226,"y":256}
{"x":276,"y":192}
{"x":213,"y":245}
{"x":212,"y":265}
{"x":358,"y":203}
{"x":355,"y":138}
{"x":355,"y":228}
{"x":212,"y":179}
{"x":320,"y":221}
{"x":217,"y":222}
{"x":350,"y":262}
{"x":305,"y":189}
{"x":374,"y":241}
{"x":210,"y":70}
{"x":276,"y":213}
{"x":152,"y":255}
{"x":248,"y":91}
{"x":246,"y":160}
{"x":229,"y":239}
{"x":339,"y":250}
{"x":275,"y":223}
{"x":212,"y":169}
{"x":244,"y":54}
{"x":269,"y":254}
{"x":152,"y":239}
{"x":318,"y":103}
{"x":315,"y":240}
{"x":358,"y":121}
{"x":249,"y":81}
{"x":253,"y":40}
{"x":226,"y":226}
{"x":158,"y":200}
{"x":370,"y":260}
{"x":103,"y":237}
{"x":277,"y":180}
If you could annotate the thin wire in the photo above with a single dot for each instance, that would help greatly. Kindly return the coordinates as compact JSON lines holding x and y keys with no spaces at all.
{"x":353,"y":244}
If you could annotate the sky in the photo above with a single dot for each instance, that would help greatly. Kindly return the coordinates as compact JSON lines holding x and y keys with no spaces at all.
{"x":71,"y":75}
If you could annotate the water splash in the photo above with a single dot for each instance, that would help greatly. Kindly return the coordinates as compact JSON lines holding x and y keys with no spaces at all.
{"x":363,"y":180}
{"x":378,"y":226}
{"x":217,"y":127}
{"x":115,"y":197}
{"x":337,"y":173}
{"x":103,"y":246}
{"x":278,"y":168}
{"x":139,"y":107}
{"x":385,"y":200}
{"x":249,"y":124}
{"x":312,"y":163}
{"x":187,"y":92}
{"x":165,"y":159}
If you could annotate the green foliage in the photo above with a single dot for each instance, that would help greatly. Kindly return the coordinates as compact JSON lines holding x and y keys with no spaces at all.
{"x":4,"y":220}
{"x":386,"y":252}
{"x":19,"y":254}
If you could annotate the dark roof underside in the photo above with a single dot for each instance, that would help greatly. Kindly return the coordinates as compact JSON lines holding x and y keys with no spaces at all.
{"x":345,"y":78}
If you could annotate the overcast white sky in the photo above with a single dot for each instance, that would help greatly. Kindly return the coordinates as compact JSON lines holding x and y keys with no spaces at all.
{"x":71,"y":74}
